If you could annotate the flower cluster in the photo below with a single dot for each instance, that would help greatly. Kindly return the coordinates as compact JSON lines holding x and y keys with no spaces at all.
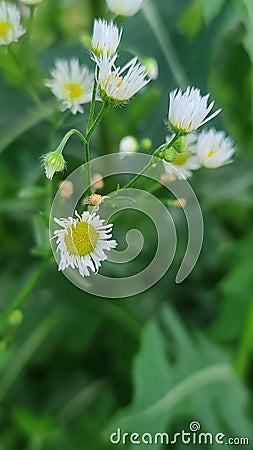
{"x":83,"y":240}
{"x":72,"y":83}
{"x":211,"y":149}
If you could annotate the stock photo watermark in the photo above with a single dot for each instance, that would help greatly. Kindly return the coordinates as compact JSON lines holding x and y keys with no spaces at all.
{"x":193,"y":435}
{"x":117,"y":204}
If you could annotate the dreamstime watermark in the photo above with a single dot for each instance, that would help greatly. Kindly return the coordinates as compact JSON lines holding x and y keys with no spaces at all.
{"x":192,"y":436}
{"x":136,"y":200}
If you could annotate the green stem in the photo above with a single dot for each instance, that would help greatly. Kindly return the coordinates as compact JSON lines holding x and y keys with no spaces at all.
{"x":88,"y":158}
{"x":89,"y":133}
{"x":96,"y":122}
{"x":243,"y":356}
{"x":67,"y":136}
{"x":31,"y":17}
{"x":93,"y":100}
{"x":152,"y":161}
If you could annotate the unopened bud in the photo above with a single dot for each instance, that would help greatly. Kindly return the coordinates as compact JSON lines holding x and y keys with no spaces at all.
{"x":151,"y":68}
{"x":128,"y":144}
{"x":169,"y":155}
{"x":146,"y":144}
{"x":53,"y":162}
{"x":66,"y":189}
{"x":180,"y":144}
{"x":16,"y":317}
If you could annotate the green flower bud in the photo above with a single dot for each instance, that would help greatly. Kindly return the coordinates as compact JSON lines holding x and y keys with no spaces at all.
{"x":180,"y":145}
{"x":170,"y":154}
{"x":16,"y":317}
{"x":53,"y":162}
{"x":146,"y":144}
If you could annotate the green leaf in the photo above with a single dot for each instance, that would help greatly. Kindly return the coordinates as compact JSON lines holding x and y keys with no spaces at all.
{"x":165,"y":389}
{"x":211,"y":8}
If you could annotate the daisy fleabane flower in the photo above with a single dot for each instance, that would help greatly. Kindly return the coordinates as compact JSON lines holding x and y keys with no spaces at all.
{"x":189,"y":110}
{"x":184,"y":162}
{"x":106,"y":37}
{"x":214,"y":149}
{"x":116,"y":84}
{"x":124,"y":7}
{"x":10,"y":23}
{"x":82,"y":242}
{"x":71,"y":83}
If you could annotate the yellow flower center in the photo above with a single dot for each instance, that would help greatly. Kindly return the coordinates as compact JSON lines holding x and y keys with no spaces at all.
{"x":74,"y":90}
{"x":181,"y":159}
{"x":82,"y":239}
{"x":5,"y":27}
{"x":210,"y":153}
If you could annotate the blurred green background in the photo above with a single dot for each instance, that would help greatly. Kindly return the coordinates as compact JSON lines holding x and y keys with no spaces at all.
{"x":74,"y":367}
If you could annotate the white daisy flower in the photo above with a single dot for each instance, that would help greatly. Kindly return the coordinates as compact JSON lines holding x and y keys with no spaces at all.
{"x":214,"y":149}
{"x":71,"y":83}
{"x":106,"y":37}
{"x":82,"y":242}
{"x":116,"y":87}
{"x":10,"y":23}
{"x":128,"y":145}
{"x":124,"y":7}
{"x":185,"y":162}
{"x":189,"y":110}
{"x":31,"y":2}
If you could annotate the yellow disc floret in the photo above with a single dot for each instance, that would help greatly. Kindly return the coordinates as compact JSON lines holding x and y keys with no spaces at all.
{"x":5,"y":27}
{"x":181,"y":158}
{"x":74,"y":90}
{"x":81,"y":239}
{"x":210,"y":153}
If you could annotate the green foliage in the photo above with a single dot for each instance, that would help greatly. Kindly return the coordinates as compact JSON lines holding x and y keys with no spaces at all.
{"x":75,"y":367}
{"x":195,"y":382}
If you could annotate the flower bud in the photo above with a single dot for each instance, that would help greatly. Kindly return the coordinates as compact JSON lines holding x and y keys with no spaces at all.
{"x":146,"y":143}
{"x":125,"y":8}
{"x":180,"y":144}
{"x":151,"y":68}
{"x":53,"y":162}
{"x":128,"y":144}
{"x":169,"y":155}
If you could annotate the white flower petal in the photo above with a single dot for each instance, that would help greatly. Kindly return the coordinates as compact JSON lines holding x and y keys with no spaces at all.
{"x":90,"y":262}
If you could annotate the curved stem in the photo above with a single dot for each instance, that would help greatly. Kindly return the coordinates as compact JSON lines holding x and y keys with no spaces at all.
{"x":68,"y":135}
